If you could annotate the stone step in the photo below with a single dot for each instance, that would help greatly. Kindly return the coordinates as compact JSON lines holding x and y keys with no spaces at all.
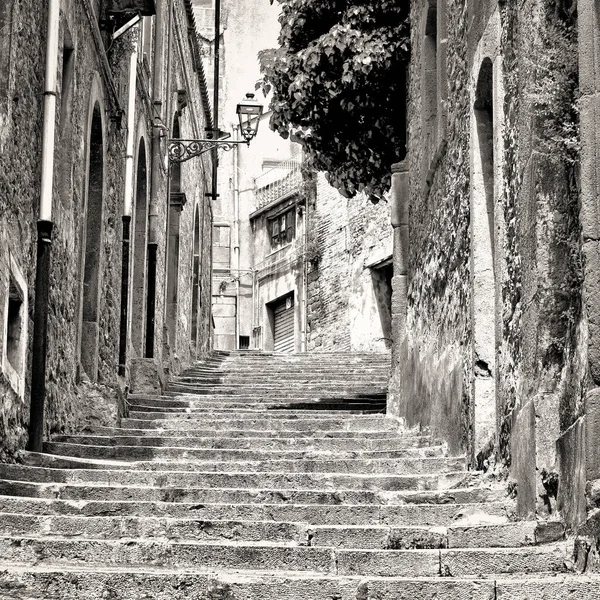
{"x":132,"y":527}
{"x":408,"y":445}
{"x":137,"y":411}
{"x":428,"y":466}
{"x":393,"y":500}
{"x":277,"y":376}
{"x":318,"y":389}
{"x":284,"y":434}
{"x":459,"y":562}
{"x":351,"y":423}
{"x":256,"y":453}
{"x":294,"y":399}
{"x":282,"y":406}
{"x":405,"y":515}
{"x":300,"y":533}
{"x":132,"y":474}
{"x":473,"y":535}
{"x":221,"y":408}
{"x":65,"y":455}
{"x":41,"y":582}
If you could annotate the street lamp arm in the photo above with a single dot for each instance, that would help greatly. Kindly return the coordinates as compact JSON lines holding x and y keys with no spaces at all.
{"x":183,"y":150}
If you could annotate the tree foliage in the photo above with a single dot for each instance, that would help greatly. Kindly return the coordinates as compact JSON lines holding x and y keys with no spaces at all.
{"x":338,"y":82}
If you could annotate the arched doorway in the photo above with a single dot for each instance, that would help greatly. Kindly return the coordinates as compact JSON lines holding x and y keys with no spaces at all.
{"x":483,"y":250}
{"x":91,"y":266}
{"x":140,"y":244}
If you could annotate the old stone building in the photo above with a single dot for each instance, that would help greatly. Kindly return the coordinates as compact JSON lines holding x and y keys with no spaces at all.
{"x":494,"y":214}
{"x":349,"y":272}
{"x":127,"y":236}
{"x":286,"y":249}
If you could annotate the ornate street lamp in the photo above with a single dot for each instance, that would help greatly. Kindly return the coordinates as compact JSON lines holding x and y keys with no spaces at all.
{"x":249,"y":112}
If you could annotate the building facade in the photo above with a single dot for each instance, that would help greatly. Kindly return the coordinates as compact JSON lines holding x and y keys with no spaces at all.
{"x":129,"y":256}
{"x":494,"y":254}
{"x":287,"y":246}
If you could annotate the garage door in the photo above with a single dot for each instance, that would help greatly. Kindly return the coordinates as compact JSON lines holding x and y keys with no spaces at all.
{"x":283,"y":313}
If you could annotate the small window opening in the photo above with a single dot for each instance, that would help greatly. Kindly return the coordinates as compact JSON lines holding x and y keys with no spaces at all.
{"x":14,"y":332}
{"x":244,"y":342}
{"x":66,"y":84}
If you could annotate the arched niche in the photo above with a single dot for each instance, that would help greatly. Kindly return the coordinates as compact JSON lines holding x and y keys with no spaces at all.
{"x":483,"y":254}
{"x":91,"y":260}
{"x":140,"y":245}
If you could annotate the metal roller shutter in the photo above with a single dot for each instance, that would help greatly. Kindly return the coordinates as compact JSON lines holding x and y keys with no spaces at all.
{"x":283,"y":337}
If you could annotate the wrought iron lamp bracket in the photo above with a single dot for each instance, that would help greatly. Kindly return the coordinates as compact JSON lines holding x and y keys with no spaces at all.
{"x":183,"y":150}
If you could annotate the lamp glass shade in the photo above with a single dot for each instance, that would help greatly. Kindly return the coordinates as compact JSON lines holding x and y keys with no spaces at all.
{"x":249,"y":112}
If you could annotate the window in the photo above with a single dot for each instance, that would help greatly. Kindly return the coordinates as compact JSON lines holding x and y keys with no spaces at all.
{"x":222,"y":247}
{"x":66,"y":83}
{"x":244,"y":342}
{"x":283,"y":228}
{"x":15,"y":330}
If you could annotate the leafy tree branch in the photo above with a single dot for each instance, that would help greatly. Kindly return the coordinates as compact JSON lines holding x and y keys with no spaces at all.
{"x":338,"y":82}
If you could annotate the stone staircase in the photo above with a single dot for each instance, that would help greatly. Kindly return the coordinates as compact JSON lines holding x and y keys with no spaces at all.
{"x":259,"y":477}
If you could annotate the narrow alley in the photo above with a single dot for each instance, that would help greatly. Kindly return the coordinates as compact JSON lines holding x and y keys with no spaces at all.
{"x":299,"y":299}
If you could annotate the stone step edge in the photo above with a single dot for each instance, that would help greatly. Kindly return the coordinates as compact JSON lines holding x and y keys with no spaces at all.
{"x":563,"y":545}
{"x":541,"y":533}
{"x":224,"y":577}
{"x":279,"y":454}
{"x":403,"y":494}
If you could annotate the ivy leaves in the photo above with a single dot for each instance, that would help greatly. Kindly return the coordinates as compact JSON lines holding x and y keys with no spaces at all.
{"x":338,"y":81}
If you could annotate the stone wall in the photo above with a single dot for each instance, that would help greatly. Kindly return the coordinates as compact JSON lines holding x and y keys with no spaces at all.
{"x":492,"y":357}
{"x":432,"y":360}
{"x":350,"y":241}
{"x":90,"y":154}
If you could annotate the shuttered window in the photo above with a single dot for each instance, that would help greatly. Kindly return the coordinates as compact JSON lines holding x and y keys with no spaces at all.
{"x":283,"y":228}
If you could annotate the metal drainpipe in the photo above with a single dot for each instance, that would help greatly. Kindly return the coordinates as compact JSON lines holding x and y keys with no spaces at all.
{"x":236,"y":234}
{"x":127,"y":207}
{"x":157,"y":167}
{"x":44,"y":240}
{"x":215,"y":155}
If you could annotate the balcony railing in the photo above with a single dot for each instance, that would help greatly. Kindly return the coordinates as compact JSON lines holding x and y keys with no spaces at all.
{"x":278,"y":183}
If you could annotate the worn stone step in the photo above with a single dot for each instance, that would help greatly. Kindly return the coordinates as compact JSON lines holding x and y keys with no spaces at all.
{"x":54,"y":550}
{"x":137,"y":411}
{"x":164,"y":452}
{"x":282,"y":406}
{"x":41,"y":582}
{"x":283,"y":434}
{"x":268,"y":391}
{"x":255,"y":396}
{"x":298,"y":533}
{"x":474,"y":535}
{"x":191,"y":529}
{"x":89,"y":492}
{"x":312,"y":376}
{"x":406,"y":444}
{"x":133,"y":475}
{"x":407,"y":515}
{"x":272,"y":409}
{"x":439,"y":467}
{"x":353,"y":423}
